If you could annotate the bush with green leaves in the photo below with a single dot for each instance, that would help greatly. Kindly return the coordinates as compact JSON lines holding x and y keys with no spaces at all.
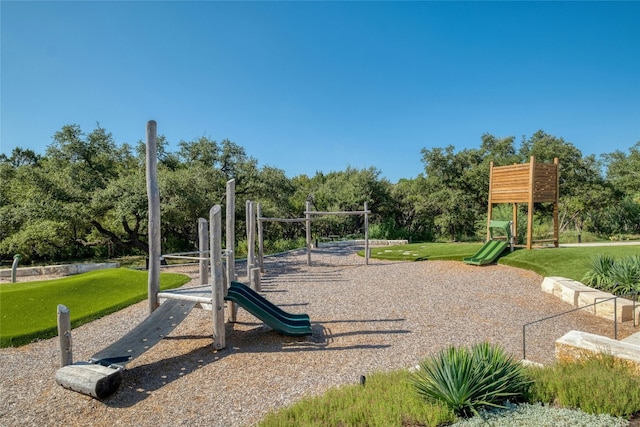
{"x":596,"y":384}
{"x":539,"y":415}
{"x":470,"y":379}
{"x":619,"y":276}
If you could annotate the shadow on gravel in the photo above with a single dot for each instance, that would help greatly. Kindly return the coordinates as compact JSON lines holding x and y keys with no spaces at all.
{"x":141,"y":381}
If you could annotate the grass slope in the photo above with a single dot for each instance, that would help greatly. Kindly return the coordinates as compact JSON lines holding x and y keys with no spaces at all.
{"x":28,"y":310}
{"x":571,"y":263}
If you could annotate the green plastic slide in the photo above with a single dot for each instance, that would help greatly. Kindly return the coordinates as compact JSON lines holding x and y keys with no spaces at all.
{"x":488,"y":253}
{"x":272,"y":315}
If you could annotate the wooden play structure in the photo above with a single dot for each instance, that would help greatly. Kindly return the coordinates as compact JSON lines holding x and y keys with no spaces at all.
{"x":309,"y":217}
{"x":528,"y":183}
{"x":101,"y":375}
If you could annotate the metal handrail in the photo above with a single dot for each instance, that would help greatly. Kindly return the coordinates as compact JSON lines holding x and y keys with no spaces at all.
{"x":615,"y":317}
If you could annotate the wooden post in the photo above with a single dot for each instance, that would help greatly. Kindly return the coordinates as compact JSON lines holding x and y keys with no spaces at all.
{"x":217,"y":279}
{"x":247,"y":223}
{"x":231,"y":242}
{"x":514,"y":228}
{"x":308,"y":229}
{"x":532,"y":178}
{"x":556,"y":223}
{"x":251,"y":236}
{"x":153,"y":195}
{"x":254,"y":279}
{"x":203,"y":246}
{"x":490,"y":208}
{"x":366,"y":234}
{"x":260,"y":239}
{"x":64,"y":336}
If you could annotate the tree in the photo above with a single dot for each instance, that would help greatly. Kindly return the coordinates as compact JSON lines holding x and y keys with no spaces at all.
{"x":583,"y":190}
{"x":456,"y":189}
{"x":623,"y":176}
{"x":623,"y":171}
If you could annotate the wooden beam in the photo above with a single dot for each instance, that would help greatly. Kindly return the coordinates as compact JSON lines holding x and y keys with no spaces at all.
{"x":203,"y":245}
{"x":556,"y":203}
{"x":307,"y":215}
{"x":64,"y":335}
{"x":490,"y":208}
{"x":153,"y":196}
{"x":532,"y":169}
{"x":514,"y":232}
{"x":230,"y":233}
{"x":217,"y":279}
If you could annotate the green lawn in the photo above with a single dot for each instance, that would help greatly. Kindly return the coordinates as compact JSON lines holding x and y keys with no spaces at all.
{"x":426,"y":251}
{"x":571,"y":263}
{"x":28,"y":310}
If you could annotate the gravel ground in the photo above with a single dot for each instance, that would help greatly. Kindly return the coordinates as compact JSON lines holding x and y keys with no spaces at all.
{"x":379,"y":317}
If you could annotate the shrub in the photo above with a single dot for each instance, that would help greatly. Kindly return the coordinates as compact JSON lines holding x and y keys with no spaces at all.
{"x":386,"y":400}
{"x":467,"y":380}
{"x":618,"y":276}
{"x":596,"y":384}
{"x":527,"y":415}
{"x":626,"y":275}
{"x":599,"y":273}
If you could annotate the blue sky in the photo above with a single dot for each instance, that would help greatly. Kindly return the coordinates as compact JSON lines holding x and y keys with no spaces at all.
{"x":321,"y":86}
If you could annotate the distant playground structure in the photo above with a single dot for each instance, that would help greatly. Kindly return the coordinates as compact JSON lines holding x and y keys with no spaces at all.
{"x":309,"y":217}
{"x":528,"y":183}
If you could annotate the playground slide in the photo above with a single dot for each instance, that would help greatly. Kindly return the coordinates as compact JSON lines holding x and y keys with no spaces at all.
{"x":272,"y":315}
{"x":488,"y":253}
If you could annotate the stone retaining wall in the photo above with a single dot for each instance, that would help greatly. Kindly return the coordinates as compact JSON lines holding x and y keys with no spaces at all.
{"x":576,"y":344}
{"x":597,"y":302}
{"x":58,"y":270}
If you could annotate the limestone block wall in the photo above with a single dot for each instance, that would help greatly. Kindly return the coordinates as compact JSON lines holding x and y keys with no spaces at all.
{"x":58,"y":270}
{"x":576,"y":344}
{"x":597,"y":302}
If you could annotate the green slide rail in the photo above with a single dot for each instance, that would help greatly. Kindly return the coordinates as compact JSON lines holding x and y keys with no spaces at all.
{"x":491,"y":250}
{"x":278,"y":319}
{"x":488,"y":253}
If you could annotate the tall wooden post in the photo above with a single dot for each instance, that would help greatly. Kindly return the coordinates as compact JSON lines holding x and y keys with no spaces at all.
{"x":153,"y":196}
{"x":260,"y":238}
{"x":217,"y":278}
{"x":532,"y":180}
{"x":230,"y":230}
{"x":253,"y":272}
{"x":203,"y":246}
{"x":366,"y":234}
{"x":490,"y":208}
{"x":251,"y":236}
{"x":514,"y":228}
{"x":308,"y":229}
{"x":556,"y":223}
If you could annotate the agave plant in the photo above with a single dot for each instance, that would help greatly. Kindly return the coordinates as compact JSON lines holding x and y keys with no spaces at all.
{"x":467,"y":380}
{"x":599,"y":273}
{"x":625,"y":274}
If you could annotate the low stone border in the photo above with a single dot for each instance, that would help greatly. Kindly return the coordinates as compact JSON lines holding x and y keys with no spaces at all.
{"x":576,"y":344}
{"x":579,"y":295}
{"x":61,"y":270}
